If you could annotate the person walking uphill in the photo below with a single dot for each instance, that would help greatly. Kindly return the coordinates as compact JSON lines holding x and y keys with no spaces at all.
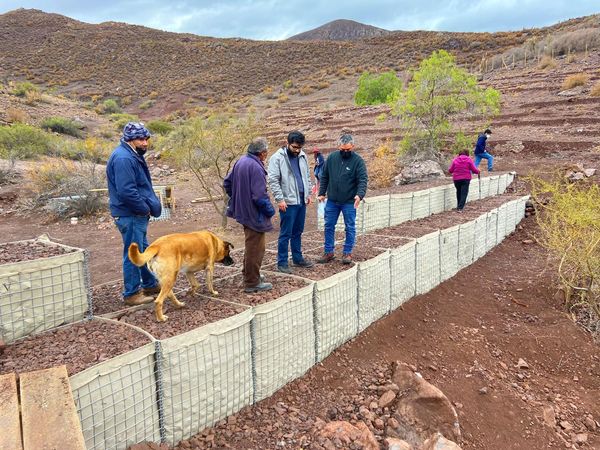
{"x":344,"y":180}
{"x":481,"y":151}
{"x":249,"y":204}
{"x":461,"y":168}
{"x":288,"y":175}
{"x":132,"y":201}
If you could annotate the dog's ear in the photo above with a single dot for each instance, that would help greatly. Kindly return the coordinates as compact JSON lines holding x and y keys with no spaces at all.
{"x":228,"y":244}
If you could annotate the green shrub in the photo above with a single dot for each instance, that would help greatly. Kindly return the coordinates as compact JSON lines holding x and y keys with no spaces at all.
{"x":159,"y":127}
{"x":21,"y":141}
{"x":110,"y":106}
{"x":62,"y":125}
{"x":146,"y":104}
{"x":287,"y":84}
{"x":121,"y":119}
{"x":376,"y":89}
{"x":21,"y":89}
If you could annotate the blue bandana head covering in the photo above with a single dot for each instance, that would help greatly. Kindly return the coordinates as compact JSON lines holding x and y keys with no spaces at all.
{"x":135,"y":130}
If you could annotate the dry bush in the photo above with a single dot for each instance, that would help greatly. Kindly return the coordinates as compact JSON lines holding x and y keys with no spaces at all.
{"x":269,"y":93}
{"x":306,"y":90}
{"x":323,"y":84}
{"x":569,"y":221}
{"x":16,"y":115}
{"x":62,"y":187}
{"x":547,"y":63}
{"x":595,"y":91}
{"x":577,"y":79}
{"x":384,"y":166}
{"x":282,"y":98}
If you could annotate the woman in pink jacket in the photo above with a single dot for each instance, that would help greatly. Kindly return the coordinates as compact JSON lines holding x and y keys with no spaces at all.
{"x":461,"y":168}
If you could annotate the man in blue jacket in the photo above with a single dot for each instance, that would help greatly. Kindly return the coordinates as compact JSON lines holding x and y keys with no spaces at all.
{"x":249,"y":204}
{"x":132,"y":201}
{"x":481,"y":151}
{"x":344,"y":180}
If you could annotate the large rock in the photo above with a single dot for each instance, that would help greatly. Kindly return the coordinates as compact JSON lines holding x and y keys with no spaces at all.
{"x":398,"y":444}
{"x":419,"y":171}
{"x":347,"y":435}
{"x":439,"y":442}
{"x":421,"y":409}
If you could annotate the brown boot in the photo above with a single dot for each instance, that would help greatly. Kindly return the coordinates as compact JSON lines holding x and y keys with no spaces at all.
{"x":138,"y":299}
{"x":151,"y":291}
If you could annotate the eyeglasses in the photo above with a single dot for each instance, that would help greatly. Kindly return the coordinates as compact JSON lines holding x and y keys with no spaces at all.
{"x":296,"y":147}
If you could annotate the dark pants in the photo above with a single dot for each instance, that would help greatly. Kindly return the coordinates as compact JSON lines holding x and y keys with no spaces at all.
{"x":332,"y":212}
{"x":291,"y":227}
{"x":253,"y":256}
{"x":462,"y":191}
{"x":133,"y":229}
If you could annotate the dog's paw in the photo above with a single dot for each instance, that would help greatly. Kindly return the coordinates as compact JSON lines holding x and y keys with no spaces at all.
{"x":180,"y":305}
{"x":163,"y":318}
{"x":214,"y":293}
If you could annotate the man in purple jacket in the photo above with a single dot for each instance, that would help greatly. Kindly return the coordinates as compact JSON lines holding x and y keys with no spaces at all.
{"x":249,"y":204}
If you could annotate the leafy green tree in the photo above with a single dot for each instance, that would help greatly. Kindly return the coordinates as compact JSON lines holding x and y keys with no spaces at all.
{"x":438,"y":92}
{"x":376,"y":89}
{"x":209,"y":147}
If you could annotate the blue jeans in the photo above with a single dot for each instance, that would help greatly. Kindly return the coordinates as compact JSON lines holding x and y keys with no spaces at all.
{"x":133,"y":229}
{"x":484,"y":155}
{"x":332,"y":212}
{"x":291,"y":227}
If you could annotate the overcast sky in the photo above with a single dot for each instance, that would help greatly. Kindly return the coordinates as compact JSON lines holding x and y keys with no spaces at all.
{"x":275,"y":19}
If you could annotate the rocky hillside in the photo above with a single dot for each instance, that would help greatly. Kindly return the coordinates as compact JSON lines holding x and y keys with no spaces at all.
{"x":162,"y":72}
{"x":340,"y":30}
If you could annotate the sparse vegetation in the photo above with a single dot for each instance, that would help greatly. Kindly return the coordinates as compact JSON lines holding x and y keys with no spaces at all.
{"x":159,"y":127}
{"x":438,"y":91}
{"x":56,"y":178}
{"x":595,"y":91}
{"x":282,"y":98}
{"x":147,"y":104}
{"x":109,"y":106}
{"x":21,"y":89}
{"x":384,"y":166}
{"x":208,"y":148}
{"x":288,"y":84}
{"x":577,"y":79}
{"x":547,"y":62}
{"x":121,"y":119}
{"x":15,"y":115}
{"x":61,"y":125}
{"x":376,"y":89}
{"x":20,"y":141}
{"x":306,"y":90}
{"x":569,"y":221}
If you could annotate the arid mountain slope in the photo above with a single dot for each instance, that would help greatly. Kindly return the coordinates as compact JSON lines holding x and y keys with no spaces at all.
{"x":340,"y":30}
{"x":179,"y":71}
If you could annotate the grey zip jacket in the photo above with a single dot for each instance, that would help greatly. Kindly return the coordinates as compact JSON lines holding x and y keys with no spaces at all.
{"x":281,"y":178}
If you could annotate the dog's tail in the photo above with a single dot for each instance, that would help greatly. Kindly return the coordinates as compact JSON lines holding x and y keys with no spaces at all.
{"x":139,"y":259}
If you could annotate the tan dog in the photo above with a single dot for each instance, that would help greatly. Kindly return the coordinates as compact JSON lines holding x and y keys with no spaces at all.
{"x":190,"y":252}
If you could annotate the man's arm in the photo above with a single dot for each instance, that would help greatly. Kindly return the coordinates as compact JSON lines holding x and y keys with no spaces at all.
{"x":363,"y":179}
{"x":324,"y":179}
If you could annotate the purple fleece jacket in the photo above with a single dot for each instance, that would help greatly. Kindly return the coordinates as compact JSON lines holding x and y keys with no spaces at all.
{"x":461,"y":168}
{"x":246,"y":186}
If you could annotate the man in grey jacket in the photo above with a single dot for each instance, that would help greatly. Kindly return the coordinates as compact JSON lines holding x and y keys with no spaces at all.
{"x":288,"y":176}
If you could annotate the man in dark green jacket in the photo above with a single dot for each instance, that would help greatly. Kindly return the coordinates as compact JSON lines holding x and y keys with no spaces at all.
{"x":344,"y":182}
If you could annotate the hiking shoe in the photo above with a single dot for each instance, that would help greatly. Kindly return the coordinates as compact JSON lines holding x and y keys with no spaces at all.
{"x":137,"y":299}
{"x":347,"y":258}
{"x":284,"y":269}
{"x":151,"y":291}
{"x":327,"y":257}
{"x":259,"y":287}
{"x":304,"y":263}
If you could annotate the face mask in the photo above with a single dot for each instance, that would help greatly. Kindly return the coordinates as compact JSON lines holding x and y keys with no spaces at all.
{"x":141,"y":151}
{"x":346,"y":153}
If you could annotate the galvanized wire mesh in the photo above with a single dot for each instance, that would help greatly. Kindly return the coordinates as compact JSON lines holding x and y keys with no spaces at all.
{"x":373,"y":289}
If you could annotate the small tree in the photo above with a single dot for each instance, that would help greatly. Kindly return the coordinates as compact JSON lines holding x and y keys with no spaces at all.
{"x":209,"y":148}
{"x":439,"y":91}
{"x":376,"y":89}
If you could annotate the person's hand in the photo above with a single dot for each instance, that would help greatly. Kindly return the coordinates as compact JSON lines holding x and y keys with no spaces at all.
{"x":321,"y":198}
{"x":282,"y":206}
{"x":309,"y":201}
{"x":356,"y":201}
